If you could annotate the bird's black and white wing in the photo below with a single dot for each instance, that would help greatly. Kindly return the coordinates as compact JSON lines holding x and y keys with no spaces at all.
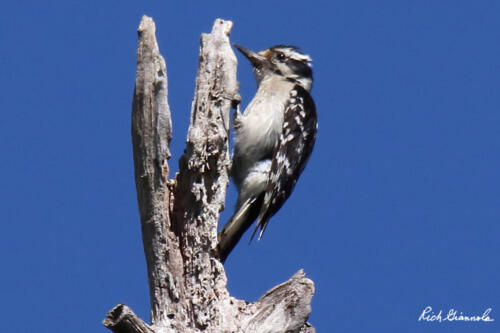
{"x":294,"y":147}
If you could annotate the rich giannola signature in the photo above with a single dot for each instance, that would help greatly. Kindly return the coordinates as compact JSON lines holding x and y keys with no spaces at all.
{"x":453,"y":315}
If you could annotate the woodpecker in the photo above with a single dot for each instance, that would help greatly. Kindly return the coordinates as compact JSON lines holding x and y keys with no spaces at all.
{"x":274,"y":138}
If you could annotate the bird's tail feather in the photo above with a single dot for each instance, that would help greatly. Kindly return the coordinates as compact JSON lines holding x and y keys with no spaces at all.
{"x":237,"y":225}
{"x":262,"y":224}
{"x":264,"y":215}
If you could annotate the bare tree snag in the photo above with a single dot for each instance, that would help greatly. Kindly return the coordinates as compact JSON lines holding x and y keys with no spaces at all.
{"x":179,"y":217}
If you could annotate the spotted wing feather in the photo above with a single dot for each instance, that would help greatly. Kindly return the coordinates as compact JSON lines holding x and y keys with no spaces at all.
{"x":291,"y":154}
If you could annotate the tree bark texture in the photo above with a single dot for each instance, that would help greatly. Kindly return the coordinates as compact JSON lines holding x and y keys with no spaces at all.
{"x":179,"y":216}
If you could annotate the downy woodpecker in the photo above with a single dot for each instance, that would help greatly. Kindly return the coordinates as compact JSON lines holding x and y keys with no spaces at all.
{"x":274,"y":138}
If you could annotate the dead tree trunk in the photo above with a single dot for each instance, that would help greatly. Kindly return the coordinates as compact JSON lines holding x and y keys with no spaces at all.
{"x":179,"y":216}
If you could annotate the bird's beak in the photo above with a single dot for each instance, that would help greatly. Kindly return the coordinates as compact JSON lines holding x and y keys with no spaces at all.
{"x":255,"y":58}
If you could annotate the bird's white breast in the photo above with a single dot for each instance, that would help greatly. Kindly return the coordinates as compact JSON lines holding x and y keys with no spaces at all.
{"x":262,"y":122}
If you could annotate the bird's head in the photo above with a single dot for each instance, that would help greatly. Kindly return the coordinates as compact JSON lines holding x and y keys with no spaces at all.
{"x":282,"y":60}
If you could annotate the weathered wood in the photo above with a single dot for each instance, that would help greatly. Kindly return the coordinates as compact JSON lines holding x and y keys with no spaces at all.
{"x":121,"y":319}
{"x":284,"y":308}
{"x":151,"y":134}
{"x":179,"y":217}
{"x":203,"y":177}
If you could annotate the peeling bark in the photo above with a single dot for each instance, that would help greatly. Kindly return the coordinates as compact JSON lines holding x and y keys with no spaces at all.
{"x":179,"y":216}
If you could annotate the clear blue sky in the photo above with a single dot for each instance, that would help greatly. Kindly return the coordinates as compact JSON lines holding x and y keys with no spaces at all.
{"x":398,"y":209}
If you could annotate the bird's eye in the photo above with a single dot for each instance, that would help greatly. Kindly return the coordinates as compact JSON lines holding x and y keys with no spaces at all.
{"x":280,"y":56}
